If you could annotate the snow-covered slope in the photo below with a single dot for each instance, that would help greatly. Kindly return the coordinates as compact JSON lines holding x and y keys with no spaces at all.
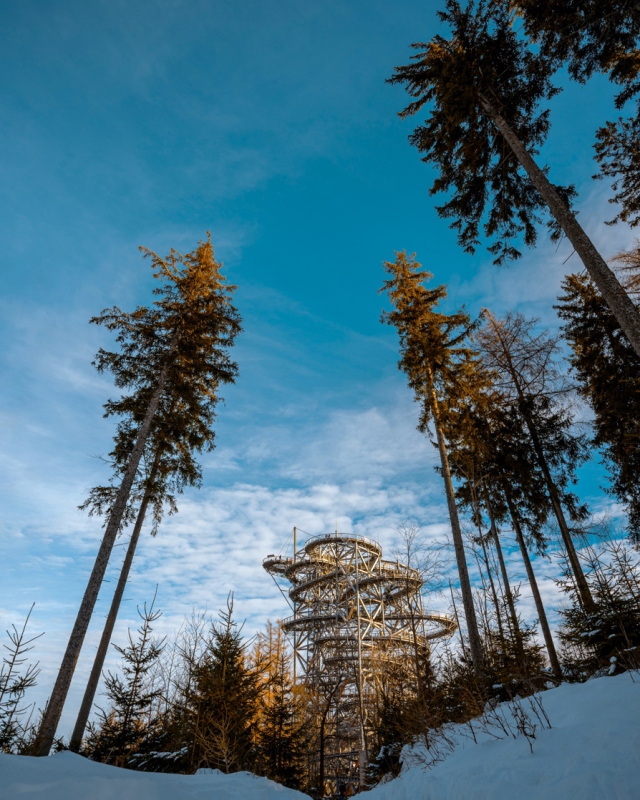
{"x":591,"y":752}
{"x":67,"y":776}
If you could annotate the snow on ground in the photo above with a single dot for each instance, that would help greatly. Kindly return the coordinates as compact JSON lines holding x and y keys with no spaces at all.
{"x":67,"y":776}
{"x":591,"y":752}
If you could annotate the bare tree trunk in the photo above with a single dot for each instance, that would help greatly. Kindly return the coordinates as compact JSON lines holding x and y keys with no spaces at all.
{"x":98,"y":664}
{"x":608,"y":285}
{"x":584,"y":592}
{"x":408,"y":536}
{"x":533,"y":583}
{"x":477,"y":517}
{"x":51,"y":716}
{"x":416,"y":651}
{"x":494,"y":593}
{"x":455,"y":614}
{"x":505,"y":581}
{"x":475,"y":642}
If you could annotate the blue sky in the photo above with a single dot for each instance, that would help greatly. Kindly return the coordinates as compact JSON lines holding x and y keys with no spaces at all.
{"x":268,"y":123}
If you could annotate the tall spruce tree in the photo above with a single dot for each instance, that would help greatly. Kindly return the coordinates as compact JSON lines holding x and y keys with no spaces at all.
{"x":525,"y":364}
{"x":438,"y":365}
{"x":171,"y":468}
{"x":178,"y":348}
{"x":468,"y":466}
{"x":590,"y":36}
{"x":498,"y":478}
{"x":587,"y":36}
{"x":608,"y":373}
{"x":483,"y":87}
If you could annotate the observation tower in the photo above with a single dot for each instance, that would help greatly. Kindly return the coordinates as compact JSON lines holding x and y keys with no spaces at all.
{"x":356,"y":617}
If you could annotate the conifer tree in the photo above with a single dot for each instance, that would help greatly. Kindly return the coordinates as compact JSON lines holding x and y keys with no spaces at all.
{"x":608,"y":372}
{"x":437,"y":365}
{"x":128,"y":727}
{"x":609,"y":639}
{"x":525,"y":364}
{"x":486,"y":446}
{"x":17,"y":676}
{"x":499,"y":476}
{"x":484,"y":87}
{"x":169,"y":467}
{"x":519,"y":497}
{"x":618,"y":154}
{"x":176,"y":348}
{"x":107,"y":632}
{"x":591,"y":36}
{"x":223,"y":701}
{"x":465,"y":455}
{"x":586,"y":36}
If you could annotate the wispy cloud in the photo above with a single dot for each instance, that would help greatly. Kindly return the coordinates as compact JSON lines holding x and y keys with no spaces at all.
{"x":532,"y":284}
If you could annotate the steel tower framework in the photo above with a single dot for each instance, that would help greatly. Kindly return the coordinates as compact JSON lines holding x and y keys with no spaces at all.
{"x":354,"y":613}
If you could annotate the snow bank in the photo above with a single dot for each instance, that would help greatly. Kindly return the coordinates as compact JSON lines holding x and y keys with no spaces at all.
{"x":591,"y":752}
{"x":67,"y":776}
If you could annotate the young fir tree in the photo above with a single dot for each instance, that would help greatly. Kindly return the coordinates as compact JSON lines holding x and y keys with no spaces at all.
{"x":222,"y":705}
{"x":483,"y":87}
{"x":394,"y":728}
{"x":609,"y":639}
{"x":524,"y":362}
{"x":17,"y":676}
{"x":128,"y":729}
{"x":175,"y":679}
{"x":437,"y":363}
{"x":608,"y":373}
{"x":179,"y":349}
